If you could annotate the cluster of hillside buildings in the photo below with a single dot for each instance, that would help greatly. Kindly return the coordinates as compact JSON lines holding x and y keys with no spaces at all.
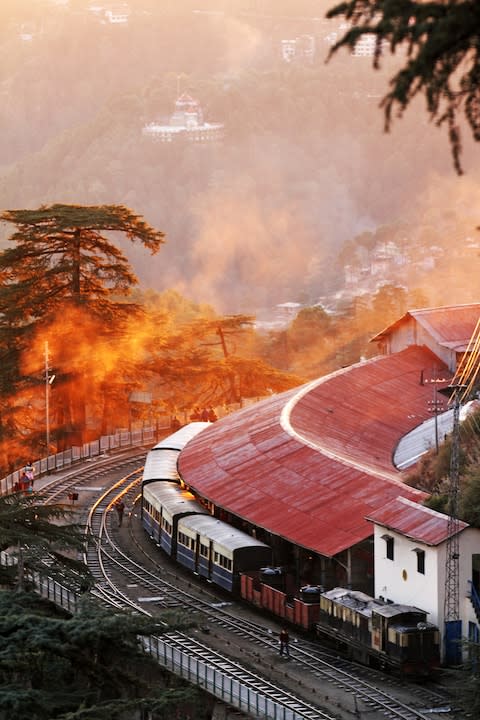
{"x":301,"y":48}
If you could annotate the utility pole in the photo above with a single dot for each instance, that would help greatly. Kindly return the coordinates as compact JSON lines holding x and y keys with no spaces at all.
{"x":47,"y":398}
{"x":452,"y":550}
{"x":48,"y":382}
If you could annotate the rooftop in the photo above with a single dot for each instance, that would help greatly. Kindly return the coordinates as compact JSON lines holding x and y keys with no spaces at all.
{"x":312,"y":463}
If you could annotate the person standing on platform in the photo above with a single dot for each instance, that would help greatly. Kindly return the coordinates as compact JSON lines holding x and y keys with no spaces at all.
{"x":284,"y":642}
{"x":30,"y":472}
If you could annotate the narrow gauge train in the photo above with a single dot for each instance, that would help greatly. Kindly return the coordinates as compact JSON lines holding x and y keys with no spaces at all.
{"x":185,"y":529}
{"x":368,"y":630}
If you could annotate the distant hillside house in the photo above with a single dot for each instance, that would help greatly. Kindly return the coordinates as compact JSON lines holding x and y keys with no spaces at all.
{"x":301,"y":48}
{"x":118,"y":15}
{"x":113,"y":14}
{"x":186,"y":123}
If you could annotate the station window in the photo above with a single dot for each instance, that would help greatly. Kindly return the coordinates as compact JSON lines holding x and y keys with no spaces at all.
{"x":389,"y":546}
{"x":420,"y":560}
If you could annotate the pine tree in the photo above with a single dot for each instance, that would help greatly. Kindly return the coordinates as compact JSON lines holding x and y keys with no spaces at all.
{"x":62,"y":256}
{"x":32,"y":531}
{"x":442,"y":43}
{"x":87,"y":667}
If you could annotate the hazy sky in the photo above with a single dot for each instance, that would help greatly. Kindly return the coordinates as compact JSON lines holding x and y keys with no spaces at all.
{"x":304,"y":167}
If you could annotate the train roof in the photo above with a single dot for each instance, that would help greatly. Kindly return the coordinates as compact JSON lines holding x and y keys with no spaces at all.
{"x":310,"y":464}
{"x":353,"y":599}
{"x":161,"y":465}
{"x":366,"y":605}
{"x":220,"y":532}
{"x":178,"y":439}
{"x":171,"y":497}
{"x":391,"y":610}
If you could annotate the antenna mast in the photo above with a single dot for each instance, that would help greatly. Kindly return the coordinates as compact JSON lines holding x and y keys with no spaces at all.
{"x":459,"y":389}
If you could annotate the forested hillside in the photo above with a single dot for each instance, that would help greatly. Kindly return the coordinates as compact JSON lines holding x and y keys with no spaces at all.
{"x":258,"y":219}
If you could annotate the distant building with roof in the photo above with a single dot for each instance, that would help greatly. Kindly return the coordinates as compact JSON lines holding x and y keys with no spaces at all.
{"x":445,"y":330}
{"x":311,"y":471}
{"x":300,"y":48}
{"x":186,"y":123}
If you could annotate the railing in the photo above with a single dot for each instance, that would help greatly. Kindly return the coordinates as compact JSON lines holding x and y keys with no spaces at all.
{"x":223,"y":687}
{"x":220,"y":685}
{"x":107,"y":443}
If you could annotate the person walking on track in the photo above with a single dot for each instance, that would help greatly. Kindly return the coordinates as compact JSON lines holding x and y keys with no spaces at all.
{"x":120,"y":507}
{"x":284,"y":642}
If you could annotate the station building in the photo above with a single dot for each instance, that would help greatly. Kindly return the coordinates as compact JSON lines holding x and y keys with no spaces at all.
{"x":313,"y":471}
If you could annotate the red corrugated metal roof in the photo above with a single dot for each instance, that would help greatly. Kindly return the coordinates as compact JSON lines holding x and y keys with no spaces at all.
{"x":451,"y":326}
{"x":414,"y":521}
{"x":312,"y":463}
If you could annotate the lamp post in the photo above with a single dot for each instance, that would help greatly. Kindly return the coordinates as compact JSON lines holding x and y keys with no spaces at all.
{"x":48,"y":381}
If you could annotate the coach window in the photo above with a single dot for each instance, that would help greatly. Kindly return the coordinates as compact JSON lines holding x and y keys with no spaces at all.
{"x":420,"y":560}
{"x":389,"y":546}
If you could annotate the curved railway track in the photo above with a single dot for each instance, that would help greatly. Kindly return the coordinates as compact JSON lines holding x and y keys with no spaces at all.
{"x":123,"y":580}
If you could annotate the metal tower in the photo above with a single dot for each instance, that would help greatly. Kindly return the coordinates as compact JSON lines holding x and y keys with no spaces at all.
{"x":458,"y":390}
{"x":451,"y":606}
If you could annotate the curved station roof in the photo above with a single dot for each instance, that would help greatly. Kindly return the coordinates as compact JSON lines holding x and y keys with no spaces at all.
{"x":312,"y":463}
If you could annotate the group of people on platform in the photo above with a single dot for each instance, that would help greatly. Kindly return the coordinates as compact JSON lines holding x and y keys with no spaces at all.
{"x":26,"y":480}
{"x":205,"y":415}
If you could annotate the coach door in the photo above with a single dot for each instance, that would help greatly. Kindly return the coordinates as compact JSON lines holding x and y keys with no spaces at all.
{"x":379,"y":630}
{"x":210,"y":560}
{"x":196,"y":554}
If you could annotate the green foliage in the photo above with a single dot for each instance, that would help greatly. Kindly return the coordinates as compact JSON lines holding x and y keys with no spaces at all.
{"x":433,"y":473}
{"x":442,"y":45}
{"x":438,"y":503}
{"x":91,"y":665}
{"x":469,"y":504}
{"x":62,"y":255}
{"x":36,"y":532}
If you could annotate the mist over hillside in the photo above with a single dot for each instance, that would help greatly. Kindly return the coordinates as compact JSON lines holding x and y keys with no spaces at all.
{"x":257,"y":218}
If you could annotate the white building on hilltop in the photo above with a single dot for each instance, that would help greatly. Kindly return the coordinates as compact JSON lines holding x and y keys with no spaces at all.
{"x":186,"y":123}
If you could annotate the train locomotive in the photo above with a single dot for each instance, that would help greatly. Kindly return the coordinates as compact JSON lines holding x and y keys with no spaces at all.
{"x":369,"y":630}
{"x":379,"y":633}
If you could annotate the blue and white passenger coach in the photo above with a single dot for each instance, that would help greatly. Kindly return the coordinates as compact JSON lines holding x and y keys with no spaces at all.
{"x":164,"y":503}
{"x":185,"y":529}
{"x":217,"y":551}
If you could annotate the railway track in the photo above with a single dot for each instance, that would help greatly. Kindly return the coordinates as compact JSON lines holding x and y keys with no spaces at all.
{"x":118,"y":561}
{"x":126,"y":581}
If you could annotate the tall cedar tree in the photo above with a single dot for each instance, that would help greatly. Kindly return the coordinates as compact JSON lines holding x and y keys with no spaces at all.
{"x":87,"y":667}
{"x":442,"y":43}
{"x":62,"y":256}
{"x":61,"y":260}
